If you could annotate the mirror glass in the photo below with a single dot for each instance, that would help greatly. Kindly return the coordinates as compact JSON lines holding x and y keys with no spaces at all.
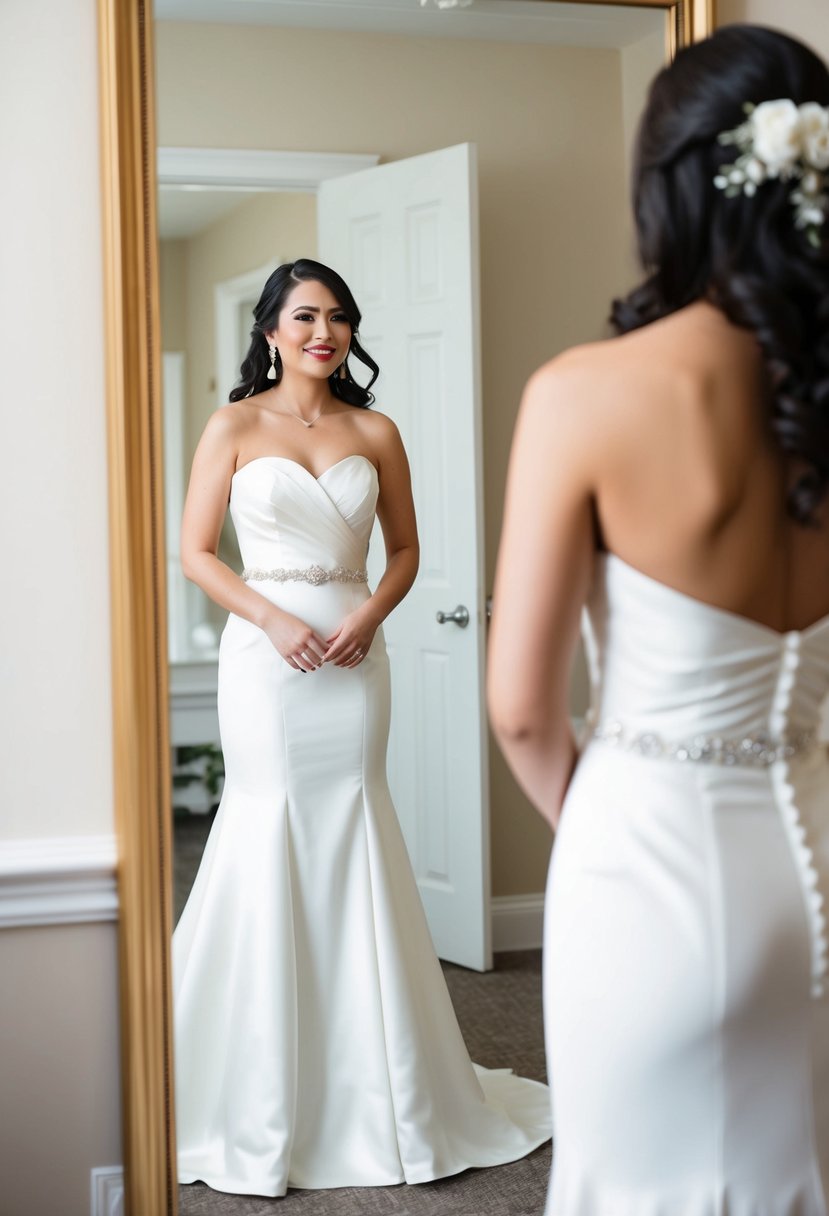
{"x":271,"y":116}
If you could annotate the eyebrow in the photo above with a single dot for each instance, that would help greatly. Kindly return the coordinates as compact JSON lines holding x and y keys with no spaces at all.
{"x":313,"y":308}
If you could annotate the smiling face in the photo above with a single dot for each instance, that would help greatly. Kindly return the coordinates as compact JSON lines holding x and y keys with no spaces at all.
{"x":313,"y":333}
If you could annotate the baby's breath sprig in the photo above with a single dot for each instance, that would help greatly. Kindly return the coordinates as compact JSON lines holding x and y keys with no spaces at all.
{"x":782,"y":141}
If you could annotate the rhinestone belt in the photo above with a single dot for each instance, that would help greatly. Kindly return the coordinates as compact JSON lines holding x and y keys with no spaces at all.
{"x":315,"y":575}
{"x":758,"y":750}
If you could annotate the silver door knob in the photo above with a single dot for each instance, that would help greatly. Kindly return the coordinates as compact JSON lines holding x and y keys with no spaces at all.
{"x":460,"y":616}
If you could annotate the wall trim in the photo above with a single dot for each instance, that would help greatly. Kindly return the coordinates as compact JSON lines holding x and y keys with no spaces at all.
{"x":517,"y":922}
{"x":107,"y":1195}
{"x":256,"y":168}
{"x":58,"y":880}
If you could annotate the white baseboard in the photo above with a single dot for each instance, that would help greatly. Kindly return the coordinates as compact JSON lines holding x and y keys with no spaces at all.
{"x":58,"y":880}
{"x":517,"y":922}
{"x":107,"y":1191}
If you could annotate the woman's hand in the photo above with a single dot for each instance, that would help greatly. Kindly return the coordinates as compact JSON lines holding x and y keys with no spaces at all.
{"x":350,"y":644}
{"x":299,"y":646}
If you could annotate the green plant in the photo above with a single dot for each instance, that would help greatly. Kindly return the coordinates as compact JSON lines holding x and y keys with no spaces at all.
{"x":201,"y":763}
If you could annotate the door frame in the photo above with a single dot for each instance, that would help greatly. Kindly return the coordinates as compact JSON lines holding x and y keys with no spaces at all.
{"x":227,"y":297}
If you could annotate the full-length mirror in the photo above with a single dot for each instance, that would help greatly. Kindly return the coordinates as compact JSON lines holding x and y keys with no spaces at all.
{"x":465,"y":171}
{"x":479,"y":216}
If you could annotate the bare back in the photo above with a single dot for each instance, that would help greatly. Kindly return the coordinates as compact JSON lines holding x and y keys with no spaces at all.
{"x":690,"y":484}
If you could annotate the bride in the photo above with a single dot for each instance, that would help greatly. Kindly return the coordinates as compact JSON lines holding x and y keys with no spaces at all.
{"x":675,"y":481}
{"x":316,"y":1045}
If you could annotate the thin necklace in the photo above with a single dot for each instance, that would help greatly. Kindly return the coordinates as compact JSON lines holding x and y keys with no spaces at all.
{"x":299,"y":417}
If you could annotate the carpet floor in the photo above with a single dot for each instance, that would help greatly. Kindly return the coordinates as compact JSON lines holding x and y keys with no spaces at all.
{"x":500,"y":1016}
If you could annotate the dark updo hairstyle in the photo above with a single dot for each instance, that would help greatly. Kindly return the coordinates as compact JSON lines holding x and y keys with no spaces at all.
{"x":742,"y":254}
{"x":253,"y":377}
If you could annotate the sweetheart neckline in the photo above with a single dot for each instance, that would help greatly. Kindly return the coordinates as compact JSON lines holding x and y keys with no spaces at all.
{"x":779,"y":634}
{"x":299,"y":465}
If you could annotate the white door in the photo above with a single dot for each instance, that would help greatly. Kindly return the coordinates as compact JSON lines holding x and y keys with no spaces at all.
{"x":405,"y":238}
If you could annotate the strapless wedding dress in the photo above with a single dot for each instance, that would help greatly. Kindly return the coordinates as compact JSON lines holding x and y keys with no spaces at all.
{"x":686,"y":992}
{"x":315,"y":1041}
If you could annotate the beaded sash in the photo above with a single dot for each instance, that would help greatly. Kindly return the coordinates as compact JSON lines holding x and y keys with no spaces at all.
{"x":756,"y":750}
{"x":315,"y":575}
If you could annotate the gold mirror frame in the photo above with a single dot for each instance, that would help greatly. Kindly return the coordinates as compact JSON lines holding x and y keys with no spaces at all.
{"x":138,"y":591}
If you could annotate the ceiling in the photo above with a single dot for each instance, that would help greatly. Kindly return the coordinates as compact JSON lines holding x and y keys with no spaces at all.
{"x":183,"y":211}
{"x":564,"y":24}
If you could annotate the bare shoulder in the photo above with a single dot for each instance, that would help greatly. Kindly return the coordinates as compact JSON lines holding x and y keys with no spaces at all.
{"x":378,"y":432}
{"x":680,"y":358}
{"x":231,"y":421}
{"x":228,"y":428}
{"x":236,"y":416}
{"x":648,"y":375}
{"x":574,"y":373}
{"x":375,"y":425}
{"x":222,"y":439}
{"x":575,"y":395}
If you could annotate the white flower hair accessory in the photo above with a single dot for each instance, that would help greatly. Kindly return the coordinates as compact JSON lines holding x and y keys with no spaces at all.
{"x":783,"y":141}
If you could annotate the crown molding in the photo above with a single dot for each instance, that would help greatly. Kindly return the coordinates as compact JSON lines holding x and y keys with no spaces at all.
{"x":256,"y":169}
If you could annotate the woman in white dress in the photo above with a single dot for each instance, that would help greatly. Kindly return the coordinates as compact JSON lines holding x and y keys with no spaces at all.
{"x":672,"y":481}
{"x":316,"y":1045}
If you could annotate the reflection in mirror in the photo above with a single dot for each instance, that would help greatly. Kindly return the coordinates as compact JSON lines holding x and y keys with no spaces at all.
{"x":492,"y":235}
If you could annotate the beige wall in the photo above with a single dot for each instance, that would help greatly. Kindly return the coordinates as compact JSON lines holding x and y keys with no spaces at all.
{"x":640,"y":63}
{"x":554,"y":240}
{"x":59,"y":1060}
{"x":172,"y":275}
{"x":806,"y":19}
{"x":55,"y":615}
{"x":59,"y":1067}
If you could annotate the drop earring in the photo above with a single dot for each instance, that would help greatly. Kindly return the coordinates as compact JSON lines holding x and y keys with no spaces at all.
{"x":272,"y":370}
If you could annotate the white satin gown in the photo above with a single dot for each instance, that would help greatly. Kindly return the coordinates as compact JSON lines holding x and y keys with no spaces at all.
{"x":315,"y":1041}
{"x":686,"y":993}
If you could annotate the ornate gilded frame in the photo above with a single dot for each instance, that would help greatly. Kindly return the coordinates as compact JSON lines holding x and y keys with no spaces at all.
{"x":138,"y":593}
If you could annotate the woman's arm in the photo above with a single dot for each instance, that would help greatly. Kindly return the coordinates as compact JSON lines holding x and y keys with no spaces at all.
{"x":543,"y":573}
{"x":395,"y":510}
{"x":204,"y":511}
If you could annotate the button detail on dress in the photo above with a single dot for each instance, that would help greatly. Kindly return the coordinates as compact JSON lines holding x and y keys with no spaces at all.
{"x":802,"y":852}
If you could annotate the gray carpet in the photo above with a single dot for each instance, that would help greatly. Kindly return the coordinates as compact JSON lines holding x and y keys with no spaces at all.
{"x":500,"y":1016}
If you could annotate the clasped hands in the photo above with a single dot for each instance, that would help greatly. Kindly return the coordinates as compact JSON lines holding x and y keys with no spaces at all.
{"x":302,"y":648}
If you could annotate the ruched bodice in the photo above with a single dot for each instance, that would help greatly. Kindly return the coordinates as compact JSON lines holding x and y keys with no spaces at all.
{"x":284,"y":516}
{"x":663,"y":661}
